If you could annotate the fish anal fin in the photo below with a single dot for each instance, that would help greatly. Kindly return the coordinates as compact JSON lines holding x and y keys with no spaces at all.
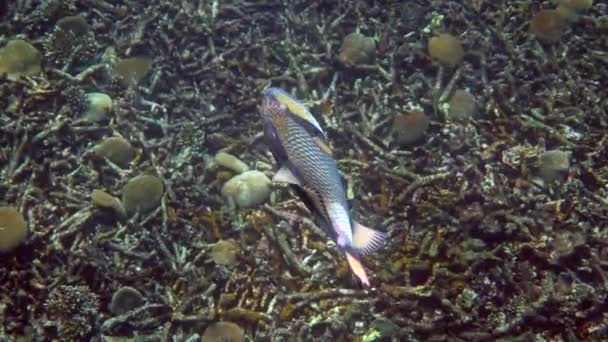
{"x":366,"y":240}
{"x":284,"y":175}
{"x":357,"y":268}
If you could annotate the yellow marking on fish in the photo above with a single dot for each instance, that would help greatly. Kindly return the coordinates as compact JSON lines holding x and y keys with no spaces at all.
{"x":280,"y":124}
{"x":322,"y":145}
{"x":357,"y":268}
{"x":297,"y":109}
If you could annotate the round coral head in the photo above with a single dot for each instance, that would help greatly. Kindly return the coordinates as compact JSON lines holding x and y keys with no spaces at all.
{"x":447,"y":49}
{"x":547,"y":26}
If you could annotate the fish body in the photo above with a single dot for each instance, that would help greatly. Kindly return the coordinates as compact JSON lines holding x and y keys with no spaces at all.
{"x":300,"y":146}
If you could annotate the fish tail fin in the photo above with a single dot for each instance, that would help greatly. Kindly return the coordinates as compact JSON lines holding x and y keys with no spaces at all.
{"x":357,"y":268}
{"x":366,"y":240}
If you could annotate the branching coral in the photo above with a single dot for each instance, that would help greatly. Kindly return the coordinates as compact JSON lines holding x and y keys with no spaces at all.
{"x":73,"y":309}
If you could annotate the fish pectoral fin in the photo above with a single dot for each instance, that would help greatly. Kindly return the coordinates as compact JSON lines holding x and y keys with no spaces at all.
{"x":357,"y":268}
{"x":366,"y":240}
{"x":284,"y":175}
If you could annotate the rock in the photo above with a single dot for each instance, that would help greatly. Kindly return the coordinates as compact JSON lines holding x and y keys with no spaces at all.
{"x":102,"y":199}
{"x":125,"y":299}
{"x":99,"y":107}
{"x":13,"y":228}
{"x":225,"y":252}
{"x":142,"y":194}
{"x":548,"y":26}
{"x":249,"y":189}
{"x":223,"y":331}
{"x":230,"y":162}
{"x":19,"y":58}
{"x":410,"y":127}
{"x":117,"y":150}
{"x":462,"y":106}
{"x":130,"y":71}
{"x":357,"y":49}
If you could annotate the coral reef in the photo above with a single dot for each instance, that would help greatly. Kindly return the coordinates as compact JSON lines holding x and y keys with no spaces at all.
{"x":472,"y":132}
{"x":72,"y":310}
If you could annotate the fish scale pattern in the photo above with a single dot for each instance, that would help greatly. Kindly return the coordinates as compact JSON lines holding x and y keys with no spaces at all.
{"x":318,"y":170}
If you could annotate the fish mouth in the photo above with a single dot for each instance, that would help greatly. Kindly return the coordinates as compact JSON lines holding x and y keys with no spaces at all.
{"x":270,"y":103}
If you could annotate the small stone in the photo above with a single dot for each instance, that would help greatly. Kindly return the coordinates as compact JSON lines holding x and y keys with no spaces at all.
{"x":357,"y":49}
{"x":462,"y":105}
{"x":19,"y":58}
{"x":554,"y":165}
{"x":410,"y":127}
{"x":230,"y":162}
{"x":142,"y":194}
{"x":447,"y":49}
{"x":548,"y":26}
{"x":117,"y":150}
{"x":102,"y":199}
{"x":249,"y":189}
{"x":223,"y":331}
{"x":130,"y":71}
{"x":225,"y":252}
{"x":13,"y":228}
{"x":99,"y":107}
{"x":126,"y":299}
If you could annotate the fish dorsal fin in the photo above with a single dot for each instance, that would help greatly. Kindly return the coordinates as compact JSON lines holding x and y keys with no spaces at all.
{"x":313,"y":129}
{"x":366,"y":240}
{"x":299,"y":111}
{"x":284,"y":175}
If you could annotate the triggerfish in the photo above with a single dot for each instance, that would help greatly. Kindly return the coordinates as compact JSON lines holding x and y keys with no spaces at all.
{"x":300,"y":147}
